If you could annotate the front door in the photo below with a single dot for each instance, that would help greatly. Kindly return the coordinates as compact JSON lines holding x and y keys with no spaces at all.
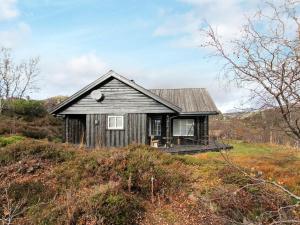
{"x":155,"y":128}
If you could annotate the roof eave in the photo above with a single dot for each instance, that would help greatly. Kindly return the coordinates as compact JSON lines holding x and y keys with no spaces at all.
{"x":199,"y":113}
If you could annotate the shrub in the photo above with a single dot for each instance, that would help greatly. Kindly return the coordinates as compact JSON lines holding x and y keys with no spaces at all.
{"x":10,"y":140}
{"x":29,"y":109}
{"x":99,"y":207}
{"x":32,"y":192}
{"x":116,"y":208}
{"x":34,"y":150}
{"x":241,"y":198}
{"x":35,"y":132}
{"x":82,"y":172}
{"x":144,"y":163}
{"x":135,"y":165}
{"x":230,"y":175}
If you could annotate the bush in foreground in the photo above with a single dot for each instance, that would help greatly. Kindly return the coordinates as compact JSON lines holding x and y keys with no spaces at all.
{"x":108,"y":186}
{"x":118,"y":186}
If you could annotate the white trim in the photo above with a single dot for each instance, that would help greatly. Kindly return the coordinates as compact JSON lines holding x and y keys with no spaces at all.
{"x":115,"y":127}
{"x":181,"y":125}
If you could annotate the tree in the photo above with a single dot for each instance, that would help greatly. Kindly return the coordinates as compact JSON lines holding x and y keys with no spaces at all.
{"x":265,"y":58}
{"x":17,"y":80}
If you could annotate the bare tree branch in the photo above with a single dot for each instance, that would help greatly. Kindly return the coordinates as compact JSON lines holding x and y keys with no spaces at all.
{"x":16,"y":79}
{"x":265,"y":58}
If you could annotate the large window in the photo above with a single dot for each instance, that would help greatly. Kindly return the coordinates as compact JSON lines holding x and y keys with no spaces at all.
{"x":155,"y":127}
{"x":183,"y":127}
{"x":115,"y":122}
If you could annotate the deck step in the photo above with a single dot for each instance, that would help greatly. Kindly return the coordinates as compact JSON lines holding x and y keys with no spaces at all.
{"x":193,"y":149}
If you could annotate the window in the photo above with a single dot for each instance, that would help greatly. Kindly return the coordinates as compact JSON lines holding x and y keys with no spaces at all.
{"x":155,"y":127}
{"x":183,"y":127}
{"x":115,"y":122}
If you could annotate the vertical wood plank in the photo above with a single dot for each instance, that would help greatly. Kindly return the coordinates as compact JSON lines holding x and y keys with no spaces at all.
{"x":144,"y":128}
{"x":88,"y":130}
{"x":67,"y":129}
{"x":126,"y":127}
{"x":103,"y":129}
{"x":92,"y":130}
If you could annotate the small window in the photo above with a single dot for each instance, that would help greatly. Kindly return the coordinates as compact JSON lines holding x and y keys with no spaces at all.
{"x":115,"y":122}
{"x":155,"y":127}
{"x":183,"y":127}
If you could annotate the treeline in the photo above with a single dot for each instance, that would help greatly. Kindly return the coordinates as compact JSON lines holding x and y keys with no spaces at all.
{"x":255,"y":127}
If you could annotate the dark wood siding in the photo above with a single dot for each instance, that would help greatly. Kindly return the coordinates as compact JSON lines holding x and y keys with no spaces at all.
{"x":75,"y":129}
{"x":200,"y":131}
{"x":134,"y":132}
{"x":118,"y":98}
{"x":203,"y":133}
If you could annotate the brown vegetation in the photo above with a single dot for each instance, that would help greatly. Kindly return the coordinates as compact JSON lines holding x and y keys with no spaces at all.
{"x":56,"y":183}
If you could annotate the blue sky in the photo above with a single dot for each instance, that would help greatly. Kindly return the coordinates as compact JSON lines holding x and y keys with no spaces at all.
{"x":154,"y":42}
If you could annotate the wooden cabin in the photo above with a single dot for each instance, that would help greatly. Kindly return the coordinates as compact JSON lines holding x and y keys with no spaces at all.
{"x":114,"y":111}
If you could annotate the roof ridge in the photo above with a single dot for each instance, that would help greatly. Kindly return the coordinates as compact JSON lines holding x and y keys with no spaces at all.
{"x":125,"y":80}
{"x":176,"y":88}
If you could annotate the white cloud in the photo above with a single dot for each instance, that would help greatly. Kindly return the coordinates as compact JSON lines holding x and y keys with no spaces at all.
{"x":69,"y":76}
{"x":8,"y":9}
{"x":12,"y":37}
{"x":227,"y":16}
{"x":86,"y":64}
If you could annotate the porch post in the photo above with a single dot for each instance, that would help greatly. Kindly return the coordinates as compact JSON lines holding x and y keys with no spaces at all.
{"x":168,"y":131}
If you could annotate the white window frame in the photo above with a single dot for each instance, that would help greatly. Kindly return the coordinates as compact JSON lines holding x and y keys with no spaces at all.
{"x":182,"y":127}
{"x":115,"y":127}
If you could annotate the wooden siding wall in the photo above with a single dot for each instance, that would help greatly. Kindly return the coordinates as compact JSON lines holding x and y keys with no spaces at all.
{"x":118,"y":98}
{"x":75,"y":129}
{"x":134,"y":132}
{"x":202,"y":129}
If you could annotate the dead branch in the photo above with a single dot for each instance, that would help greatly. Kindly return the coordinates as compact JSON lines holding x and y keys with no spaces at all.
{"x":261,"y":181}
{"x":11,"y":210}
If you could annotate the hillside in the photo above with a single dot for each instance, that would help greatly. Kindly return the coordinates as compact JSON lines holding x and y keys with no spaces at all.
{"x":43,"y":181}
{"x":52,"y":183}
{"x":30,"y":118}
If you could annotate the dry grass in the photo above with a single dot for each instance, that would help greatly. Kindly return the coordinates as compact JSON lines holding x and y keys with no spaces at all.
{"x":280,"y":163}
{"x":113,"y":186}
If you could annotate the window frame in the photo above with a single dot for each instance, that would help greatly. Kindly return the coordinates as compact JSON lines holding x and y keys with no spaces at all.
{"x":181,"y":126}
{"x":115,"y":117}
{"x":160,"y":127}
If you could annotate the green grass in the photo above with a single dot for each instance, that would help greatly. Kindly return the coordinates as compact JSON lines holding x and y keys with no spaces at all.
{"x":279,"y":163}
{"x":7,"y":140}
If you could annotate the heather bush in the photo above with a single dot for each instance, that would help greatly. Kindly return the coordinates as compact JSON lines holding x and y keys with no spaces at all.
{"x":28,"y":109}
{"x":30,"y":192}
{"x":115,"y":208}
{"x":30,"y":149}
{"x":242,"y":199}
{"x":124,"y":185}
{"x":144,"y":164}
{"x":35,"y":132}
{"x":134,"y":166}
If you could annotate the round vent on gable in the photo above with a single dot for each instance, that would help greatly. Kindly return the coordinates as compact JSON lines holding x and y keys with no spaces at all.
{"x":97,"y":95}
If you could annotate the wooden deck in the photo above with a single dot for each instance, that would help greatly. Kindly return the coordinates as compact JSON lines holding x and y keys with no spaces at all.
{"x":194,"y":149}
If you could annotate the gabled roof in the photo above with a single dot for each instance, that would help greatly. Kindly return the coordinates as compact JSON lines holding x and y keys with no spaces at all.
{"x":190,"y":100}
{"x":112,"y":74}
